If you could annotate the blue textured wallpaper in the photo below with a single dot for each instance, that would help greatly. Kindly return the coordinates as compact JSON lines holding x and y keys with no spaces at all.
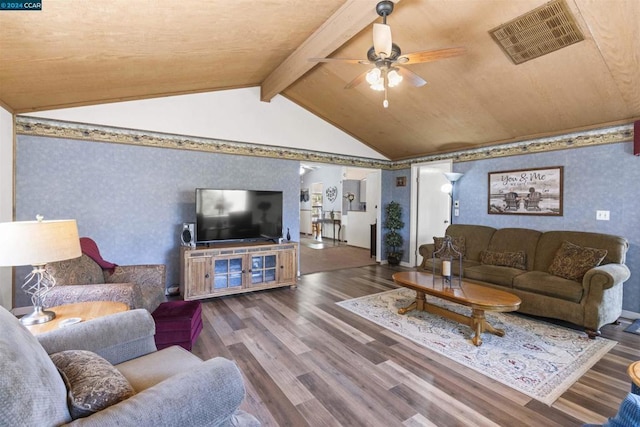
{"x":133,"y":200}
{"x":388,"y":193}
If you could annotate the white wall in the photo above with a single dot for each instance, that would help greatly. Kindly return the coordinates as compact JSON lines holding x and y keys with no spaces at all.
{"x":357,"y":230}
{"x":6,"y":196}
{"x":358,"y":224}
{"x":233,"y":115}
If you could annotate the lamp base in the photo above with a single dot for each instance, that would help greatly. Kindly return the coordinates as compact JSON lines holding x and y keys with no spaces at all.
{"x":38,"y":316}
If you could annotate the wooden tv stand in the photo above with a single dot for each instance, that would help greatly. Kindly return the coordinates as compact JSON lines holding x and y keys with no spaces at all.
{"x":235,"y":268}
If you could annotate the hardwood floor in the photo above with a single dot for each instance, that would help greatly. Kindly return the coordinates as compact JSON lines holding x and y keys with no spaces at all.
{"x":308,"y":362}
{"x":327,"y":255}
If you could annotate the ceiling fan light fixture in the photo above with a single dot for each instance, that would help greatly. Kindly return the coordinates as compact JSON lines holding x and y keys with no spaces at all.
{"x":394,"y":78}
{"x":378,"y":85}
{"x":388,"y":59}
{"x":373,"y":76}
{"x":382,"y":40}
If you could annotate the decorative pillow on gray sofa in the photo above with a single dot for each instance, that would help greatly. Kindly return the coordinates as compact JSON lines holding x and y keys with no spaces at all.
{"x":76,"y":271}
{"x":92,"y":382}
{"x":573,"y":261}
{"x":507,"y":259}
{"x":457,"y":242}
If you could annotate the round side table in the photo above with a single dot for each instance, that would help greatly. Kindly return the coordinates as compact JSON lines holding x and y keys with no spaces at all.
{"x":81,"y":310}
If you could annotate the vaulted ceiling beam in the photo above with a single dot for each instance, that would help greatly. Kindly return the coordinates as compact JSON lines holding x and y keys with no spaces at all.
{"x":348,"y":21}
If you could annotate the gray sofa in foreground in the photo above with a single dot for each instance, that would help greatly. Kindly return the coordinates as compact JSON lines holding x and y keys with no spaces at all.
{"x":170,"y":387}
{"x":547,"y":270}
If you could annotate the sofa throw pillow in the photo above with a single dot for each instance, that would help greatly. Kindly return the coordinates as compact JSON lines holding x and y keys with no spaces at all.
{"x":76,"y":271}
{"x":92,"y":382}
{"x":573,"y":261}
{"x":506,"y":259}
{"x":457,"y":242}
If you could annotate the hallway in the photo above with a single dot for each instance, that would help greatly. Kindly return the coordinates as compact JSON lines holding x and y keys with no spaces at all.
{"x":325,"y":255}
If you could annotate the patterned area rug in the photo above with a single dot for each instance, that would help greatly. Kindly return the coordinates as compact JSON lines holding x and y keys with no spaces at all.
{"x":539,"y":359}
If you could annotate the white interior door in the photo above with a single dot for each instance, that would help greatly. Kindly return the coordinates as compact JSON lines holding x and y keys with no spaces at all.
{"x":430,"y":207}
{"x":373,"y":201}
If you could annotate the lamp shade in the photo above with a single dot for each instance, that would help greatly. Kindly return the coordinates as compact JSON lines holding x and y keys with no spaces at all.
{"x":382,"y":40}
{"x":452,"y":176}
{"x":38,"y":242}
{"x":373,"y":75}
{"x":394,"y":78}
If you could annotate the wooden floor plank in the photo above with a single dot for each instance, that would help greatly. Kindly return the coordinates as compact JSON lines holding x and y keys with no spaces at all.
{"x":317,"y":415}
{"x":361,"y":374}
{"x":307,"y":361}
{"x":272,"y":347}
{"x":280,"y":408}
{"x":323,"y":312}
{"x":271,"y":320}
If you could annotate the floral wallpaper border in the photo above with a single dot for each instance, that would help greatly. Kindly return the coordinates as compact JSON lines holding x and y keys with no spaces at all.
{"x":607,"y":135}
{"x":78,"y":131}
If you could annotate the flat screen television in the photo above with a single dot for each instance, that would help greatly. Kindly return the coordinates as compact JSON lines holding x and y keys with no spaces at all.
{"x":238,"y":215}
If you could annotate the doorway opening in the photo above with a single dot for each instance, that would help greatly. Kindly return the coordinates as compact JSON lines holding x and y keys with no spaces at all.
{"x":430,"y":206}
{"x":338,"y":215}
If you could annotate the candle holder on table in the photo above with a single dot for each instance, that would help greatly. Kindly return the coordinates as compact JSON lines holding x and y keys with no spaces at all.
{"x":447,"y":254}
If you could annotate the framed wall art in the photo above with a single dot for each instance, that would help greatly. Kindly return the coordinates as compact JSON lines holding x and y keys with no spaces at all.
{"x":401,"y":181}
{"x":332,"y":193}
{"x":304,"y":195}
{"x":526,"y":192}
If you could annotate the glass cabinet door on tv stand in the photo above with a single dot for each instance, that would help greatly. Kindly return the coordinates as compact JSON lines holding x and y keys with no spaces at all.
{"x":263,"y":269}
{"x":226,"y":269}
{"x":227,"y":272}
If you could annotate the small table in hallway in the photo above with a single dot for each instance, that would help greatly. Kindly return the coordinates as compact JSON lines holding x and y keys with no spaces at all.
{"x":316,"y":227}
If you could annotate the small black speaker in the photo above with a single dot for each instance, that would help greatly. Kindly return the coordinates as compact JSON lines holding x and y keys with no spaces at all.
{"x":188,"y":234}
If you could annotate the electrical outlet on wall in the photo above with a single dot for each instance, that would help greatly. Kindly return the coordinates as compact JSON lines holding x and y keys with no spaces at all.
{"x":602,"y":215}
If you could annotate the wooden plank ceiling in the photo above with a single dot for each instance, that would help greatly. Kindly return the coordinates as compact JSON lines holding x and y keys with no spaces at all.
{"x":75,"y":52}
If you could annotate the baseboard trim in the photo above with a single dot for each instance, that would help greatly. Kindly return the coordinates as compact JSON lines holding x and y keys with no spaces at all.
{"x":630,"y":315}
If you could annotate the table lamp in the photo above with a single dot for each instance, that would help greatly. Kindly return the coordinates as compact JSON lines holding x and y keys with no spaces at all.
{"x":37,"y":243}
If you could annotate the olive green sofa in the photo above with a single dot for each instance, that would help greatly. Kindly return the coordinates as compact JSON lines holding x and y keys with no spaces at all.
{"x":521,"y":261}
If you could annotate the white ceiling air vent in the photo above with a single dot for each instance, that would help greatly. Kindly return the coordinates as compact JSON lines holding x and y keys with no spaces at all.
{"x":543,"y":30}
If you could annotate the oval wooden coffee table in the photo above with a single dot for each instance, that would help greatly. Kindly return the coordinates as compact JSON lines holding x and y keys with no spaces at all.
{"x":479,"y":298}
{"x":79,"y":310}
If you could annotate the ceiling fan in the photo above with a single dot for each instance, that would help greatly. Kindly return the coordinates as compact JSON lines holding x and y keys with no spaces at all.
{"x":388,"y":59}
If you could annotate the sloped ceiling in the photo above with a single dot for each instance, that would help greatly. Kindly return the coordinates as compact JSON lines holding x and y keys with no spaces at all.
{"x":75,"y":52}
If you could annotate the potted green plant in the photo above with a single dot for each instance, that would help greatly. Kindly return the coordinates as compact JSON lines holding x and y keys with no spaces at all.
{"x":393,"y":240}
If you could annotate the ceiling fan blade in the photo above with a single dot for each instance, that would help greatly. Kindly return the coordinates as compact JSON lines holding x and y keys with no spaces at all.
{"x":411,"y":77}
{"x":431,"y":55}
{"x":355,"y":82}
{"x":348,"y":61}
{"x":382,"y":40}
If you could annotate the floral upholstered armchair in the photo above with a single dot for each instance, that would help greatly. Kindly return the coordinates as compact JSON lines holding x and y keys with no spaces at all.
{"x":82,"y":279}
